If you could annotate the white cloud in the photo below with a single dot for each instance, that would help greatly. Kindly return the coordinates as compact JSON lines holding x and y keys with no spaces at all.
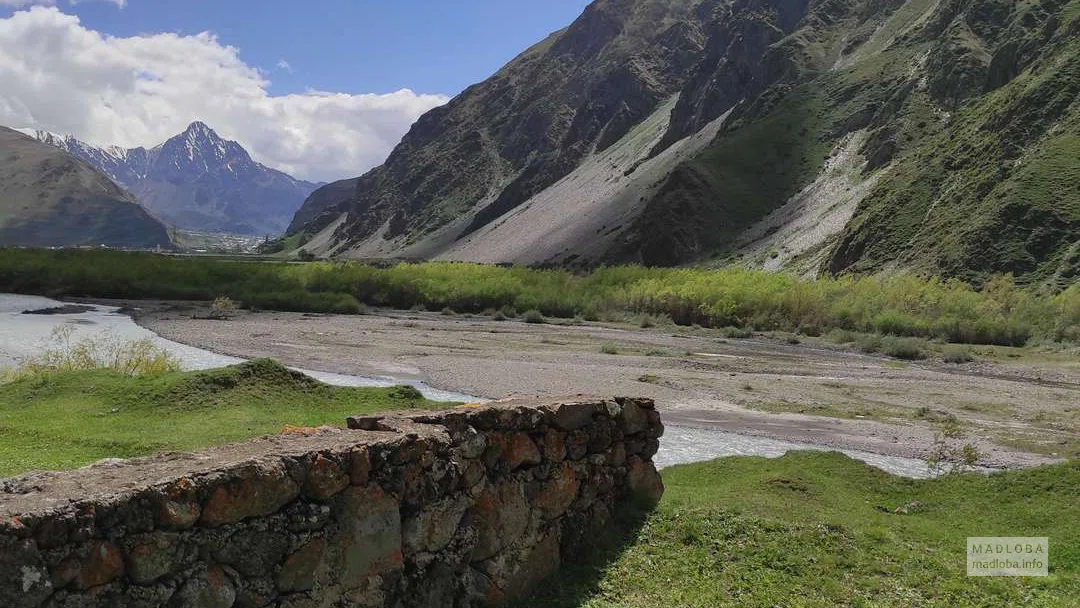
{"x":57,"y":75}
{"x":284,"y":65}
{"x":21,"y":3}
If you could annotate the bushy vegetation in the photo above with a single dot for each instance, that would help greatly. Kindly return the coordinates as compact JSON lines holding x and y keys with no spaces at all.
{"x":55,"y":419}
{"x":130,"y":358}
{"x":1001,"y":312}
{"x":821,"y":529}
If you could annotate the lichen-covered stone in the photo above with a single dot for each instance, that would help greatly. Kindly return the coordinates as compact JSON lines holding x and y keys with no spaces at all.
{"x":325,"y":479}
{"x":298,"y":571}
{"x":24,"y":581}
{"x":500,"y":516}
{"x":254,"y":553}
{"x":209,"y":589}
{"x":554,"y":446}
{"x":633,"y":418}
{"x":577,"y":445}
{"x":152,"y":556}
{"x":521,"y":451}
{"x":369,"y":534}
{"x":261,"y":491}
{"x":100,"y":562}
{"x":179,"y":506}
{"x":359,"y":466}
{"x":431,"y":529}
{"x":573,"y":416}
{"x":558,"y":492}
{"x":644,"y":481}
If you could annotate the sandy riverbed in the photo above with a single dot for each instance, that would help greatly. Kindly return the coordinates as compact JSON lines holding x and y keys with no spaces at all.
{"x":697,"y":378}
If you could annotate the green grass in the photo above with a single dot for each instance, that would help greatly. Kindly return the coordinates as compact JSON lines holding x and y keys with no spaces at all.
{"x":820,"y":530}
{"x":836,"y":410}
{"x":61,"y":420}
{"x":1001,"y":312}
{"x":989,"y":189}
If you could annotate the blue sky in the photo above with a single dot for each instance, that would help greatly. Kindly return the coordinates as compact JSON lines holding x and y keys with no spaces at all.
{"x":429,"y":46}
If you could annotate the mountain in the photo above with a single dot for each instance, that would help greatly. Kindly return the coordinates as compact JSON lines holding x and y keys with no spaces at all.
{"x":49,"y":198}
{"x":198,"y":181}
{"x":322,"y":201}
{"x":937,"y":136}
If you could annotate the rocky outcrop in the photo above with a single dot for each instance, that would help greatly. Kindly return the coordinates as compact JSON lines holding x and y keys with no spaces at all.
{"x":325,"y":200}
{"x":465,"y":507}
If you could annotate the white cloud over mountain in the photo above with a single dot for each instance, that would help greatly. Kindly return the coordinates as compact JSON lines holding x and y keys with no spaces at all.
{"x":57,"y":75}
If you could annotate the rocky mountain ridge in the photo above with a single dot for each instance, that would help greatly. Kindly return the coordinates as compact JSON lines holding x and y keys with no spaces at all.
{"x":49,"y":198}
{"x":197,"y":181}
{"x":936,"y":136}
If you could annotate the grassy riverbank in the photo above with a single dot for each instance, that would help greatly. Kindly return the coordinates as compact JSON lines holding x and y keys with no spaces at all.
{"x":820,"y":529}
{"x":999,"y":313}
{"x":65,"y":419}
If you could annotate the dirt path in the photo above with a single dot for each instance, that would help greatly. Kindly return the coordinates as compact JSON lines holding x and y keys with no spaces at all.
{"x":1017,"y":414}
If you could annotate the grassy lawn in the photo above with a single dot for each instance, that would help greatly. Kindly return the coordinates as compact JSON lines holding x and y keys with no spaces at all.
{"x":62,"y":420}
{"x":820,"y":529}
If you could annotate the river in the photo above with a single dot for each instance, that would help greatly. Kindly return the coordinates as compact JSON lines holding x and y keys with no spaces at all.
{"x":24,"y":336}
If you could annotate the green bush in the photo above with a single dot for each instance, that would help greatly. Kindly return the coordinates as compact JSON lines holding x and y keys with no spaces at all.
{"x":533,"y":316}
{"x":842,"y":336}
{"x":870,"y":343}
{"x":736,"y":332}
{"x":957,"y":354}
{"x":904,"y":348}
{"x":1000,"y":313}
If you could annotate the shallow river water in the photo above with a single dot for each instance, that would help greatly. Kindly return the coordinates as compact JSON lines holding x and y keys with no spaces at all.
{"x":24,"y":336}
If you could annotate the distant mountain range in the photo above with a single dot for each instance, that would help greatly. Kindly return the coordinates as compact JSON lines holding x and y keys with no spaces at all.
{"x":197,"y":181}
{"x":49,"y":198}
{"x":829,"y":136}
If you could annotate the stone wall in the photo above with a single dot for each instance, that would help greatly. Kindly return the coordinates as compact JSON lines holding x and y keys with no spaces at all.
{"x":467,"y":507}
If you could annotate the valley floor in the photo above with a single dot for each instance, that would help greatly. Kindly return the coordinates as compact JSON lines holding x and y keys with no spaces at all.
{"x":1017,"y":412}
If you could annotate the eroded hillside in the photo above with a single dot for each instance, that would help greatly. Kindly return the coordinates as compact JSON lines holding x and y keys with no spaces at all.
{"x":835,"y":135}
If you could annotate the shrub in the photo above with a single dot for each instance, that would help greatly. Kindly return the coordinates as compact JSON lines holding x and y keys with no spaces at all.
{"x":904,"y":348}
{"x":404,"y":392}
{"x":533,"y":316}
{"x":222,"y":308}
{"x":736,"y":332}
{"x":903,"y":306}
{"x":646,"y":322}
{"x":842,"y":336}
{"x":134,"y":358}
{"x":870,"y":343}
{"x":609,"y":349}
{"x":957,"y":354}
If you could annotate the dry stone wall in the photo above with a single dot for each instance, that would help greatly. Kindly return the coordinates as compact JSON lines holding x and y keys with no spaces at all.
{"x":468,"y":507}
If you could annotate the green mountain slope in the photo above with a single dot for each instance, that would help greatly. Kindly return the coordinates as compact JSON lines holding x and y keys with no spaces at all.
{"x":48,"y":198}
{"x":839,"y":135}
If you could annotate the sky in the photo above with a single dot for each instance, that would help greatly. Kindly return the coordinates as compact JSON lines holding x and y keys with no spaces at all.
{"x":321,"y":89}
